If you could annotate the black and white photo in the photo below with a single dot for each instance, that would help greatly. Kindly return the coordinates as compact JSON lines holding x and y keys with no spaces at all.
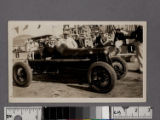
{"x":77,"y":61}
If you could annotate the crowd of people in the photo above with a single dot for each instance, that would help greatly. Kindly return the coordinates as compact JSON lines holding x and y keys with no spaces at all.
{"x":96,"y":39}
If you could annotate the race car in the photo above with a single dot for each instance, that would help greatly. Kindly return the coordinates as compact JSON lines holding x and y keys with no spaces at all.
{"x":101,"y":69}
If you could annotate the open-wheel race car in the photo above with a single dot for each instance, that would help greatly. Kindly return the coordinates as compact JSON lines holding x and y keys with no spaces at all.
{"x":101,"y":69}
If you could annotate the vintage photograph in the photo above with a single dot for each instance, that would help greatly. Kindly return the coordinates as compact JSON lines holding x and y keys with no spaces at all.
{"x":77,"y":61}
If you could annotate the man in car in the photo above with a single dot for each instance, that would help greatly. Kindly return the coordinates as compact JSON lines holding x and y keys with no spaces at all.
{"x":68,"y":41}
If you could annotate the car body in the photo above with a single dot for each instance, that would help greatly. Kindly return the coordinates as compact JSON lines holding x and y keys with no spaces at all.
{"x":95,"y":62}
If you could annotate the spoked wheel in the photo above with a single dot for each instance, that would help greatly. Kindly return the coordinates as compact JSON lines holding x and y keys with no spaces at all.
{"x":101,"y":77}
{"x":120,"y":66}
{"x":22,"y":75}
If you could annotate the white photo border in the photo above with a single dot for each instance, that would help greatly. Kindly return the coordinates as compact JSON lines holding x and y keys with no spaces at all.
{"x":12,"y":99}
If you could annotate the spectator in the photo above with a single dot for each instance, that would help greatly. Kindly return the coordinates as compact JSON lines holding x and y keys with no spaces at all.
{"x":119,"y":36}
{"x":30,"y":48}
{"x":138,"y":36}
{"x":17,"y":51}
{"x":119,"y":40}
{"x":77,"y":39}
{"x":98,"y":40}
{"x":82,"y":40}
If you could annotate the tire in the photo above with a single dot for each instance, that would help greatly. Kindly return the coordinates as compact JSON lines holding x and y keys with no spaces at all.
{"x":22,"y":74}
{"x":120,"y":66}
{"x":101,"y":81}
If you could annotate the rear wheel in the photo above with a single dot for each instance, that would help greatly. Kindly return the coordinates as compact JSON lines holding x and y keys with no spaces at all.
{"x":101,"y":77}
{"x":120,"y":66}
{"x":22,"y":74}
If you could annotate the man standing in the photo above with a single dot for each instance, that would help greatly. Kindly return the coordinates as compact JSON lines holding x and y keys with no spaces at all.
{"x":119,"y":40}
{"x":119,"y":36}
{"x":139,"y":47}
{"x":138,"y":36}
{"x":30,"y":49}
{"x":98,"y":39}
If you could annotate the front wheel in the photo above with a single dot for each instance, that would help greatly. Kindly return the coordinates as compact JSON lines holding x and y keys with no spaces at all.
{"x":101,"y":77}
{"x":120,"y":66}
{"x":22,"y":74}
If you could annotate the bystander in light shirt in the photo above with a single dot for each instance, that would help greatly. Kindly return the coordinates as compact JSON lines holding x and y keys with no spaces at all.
{"x":69,"y":42}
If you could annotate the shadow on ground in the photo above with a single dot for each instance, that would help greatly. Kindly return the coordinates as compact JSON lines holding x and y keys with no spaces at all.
{"x":65,"y":78}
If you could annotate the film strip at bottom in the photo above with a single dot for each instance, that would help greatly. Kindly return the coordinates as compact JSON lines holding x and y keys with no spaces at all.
{"x":67,"y":112}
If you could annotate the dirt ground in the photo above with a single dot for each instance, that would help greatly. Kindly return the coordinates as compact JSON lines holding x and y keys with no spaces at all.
{"x":72,"y":87}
